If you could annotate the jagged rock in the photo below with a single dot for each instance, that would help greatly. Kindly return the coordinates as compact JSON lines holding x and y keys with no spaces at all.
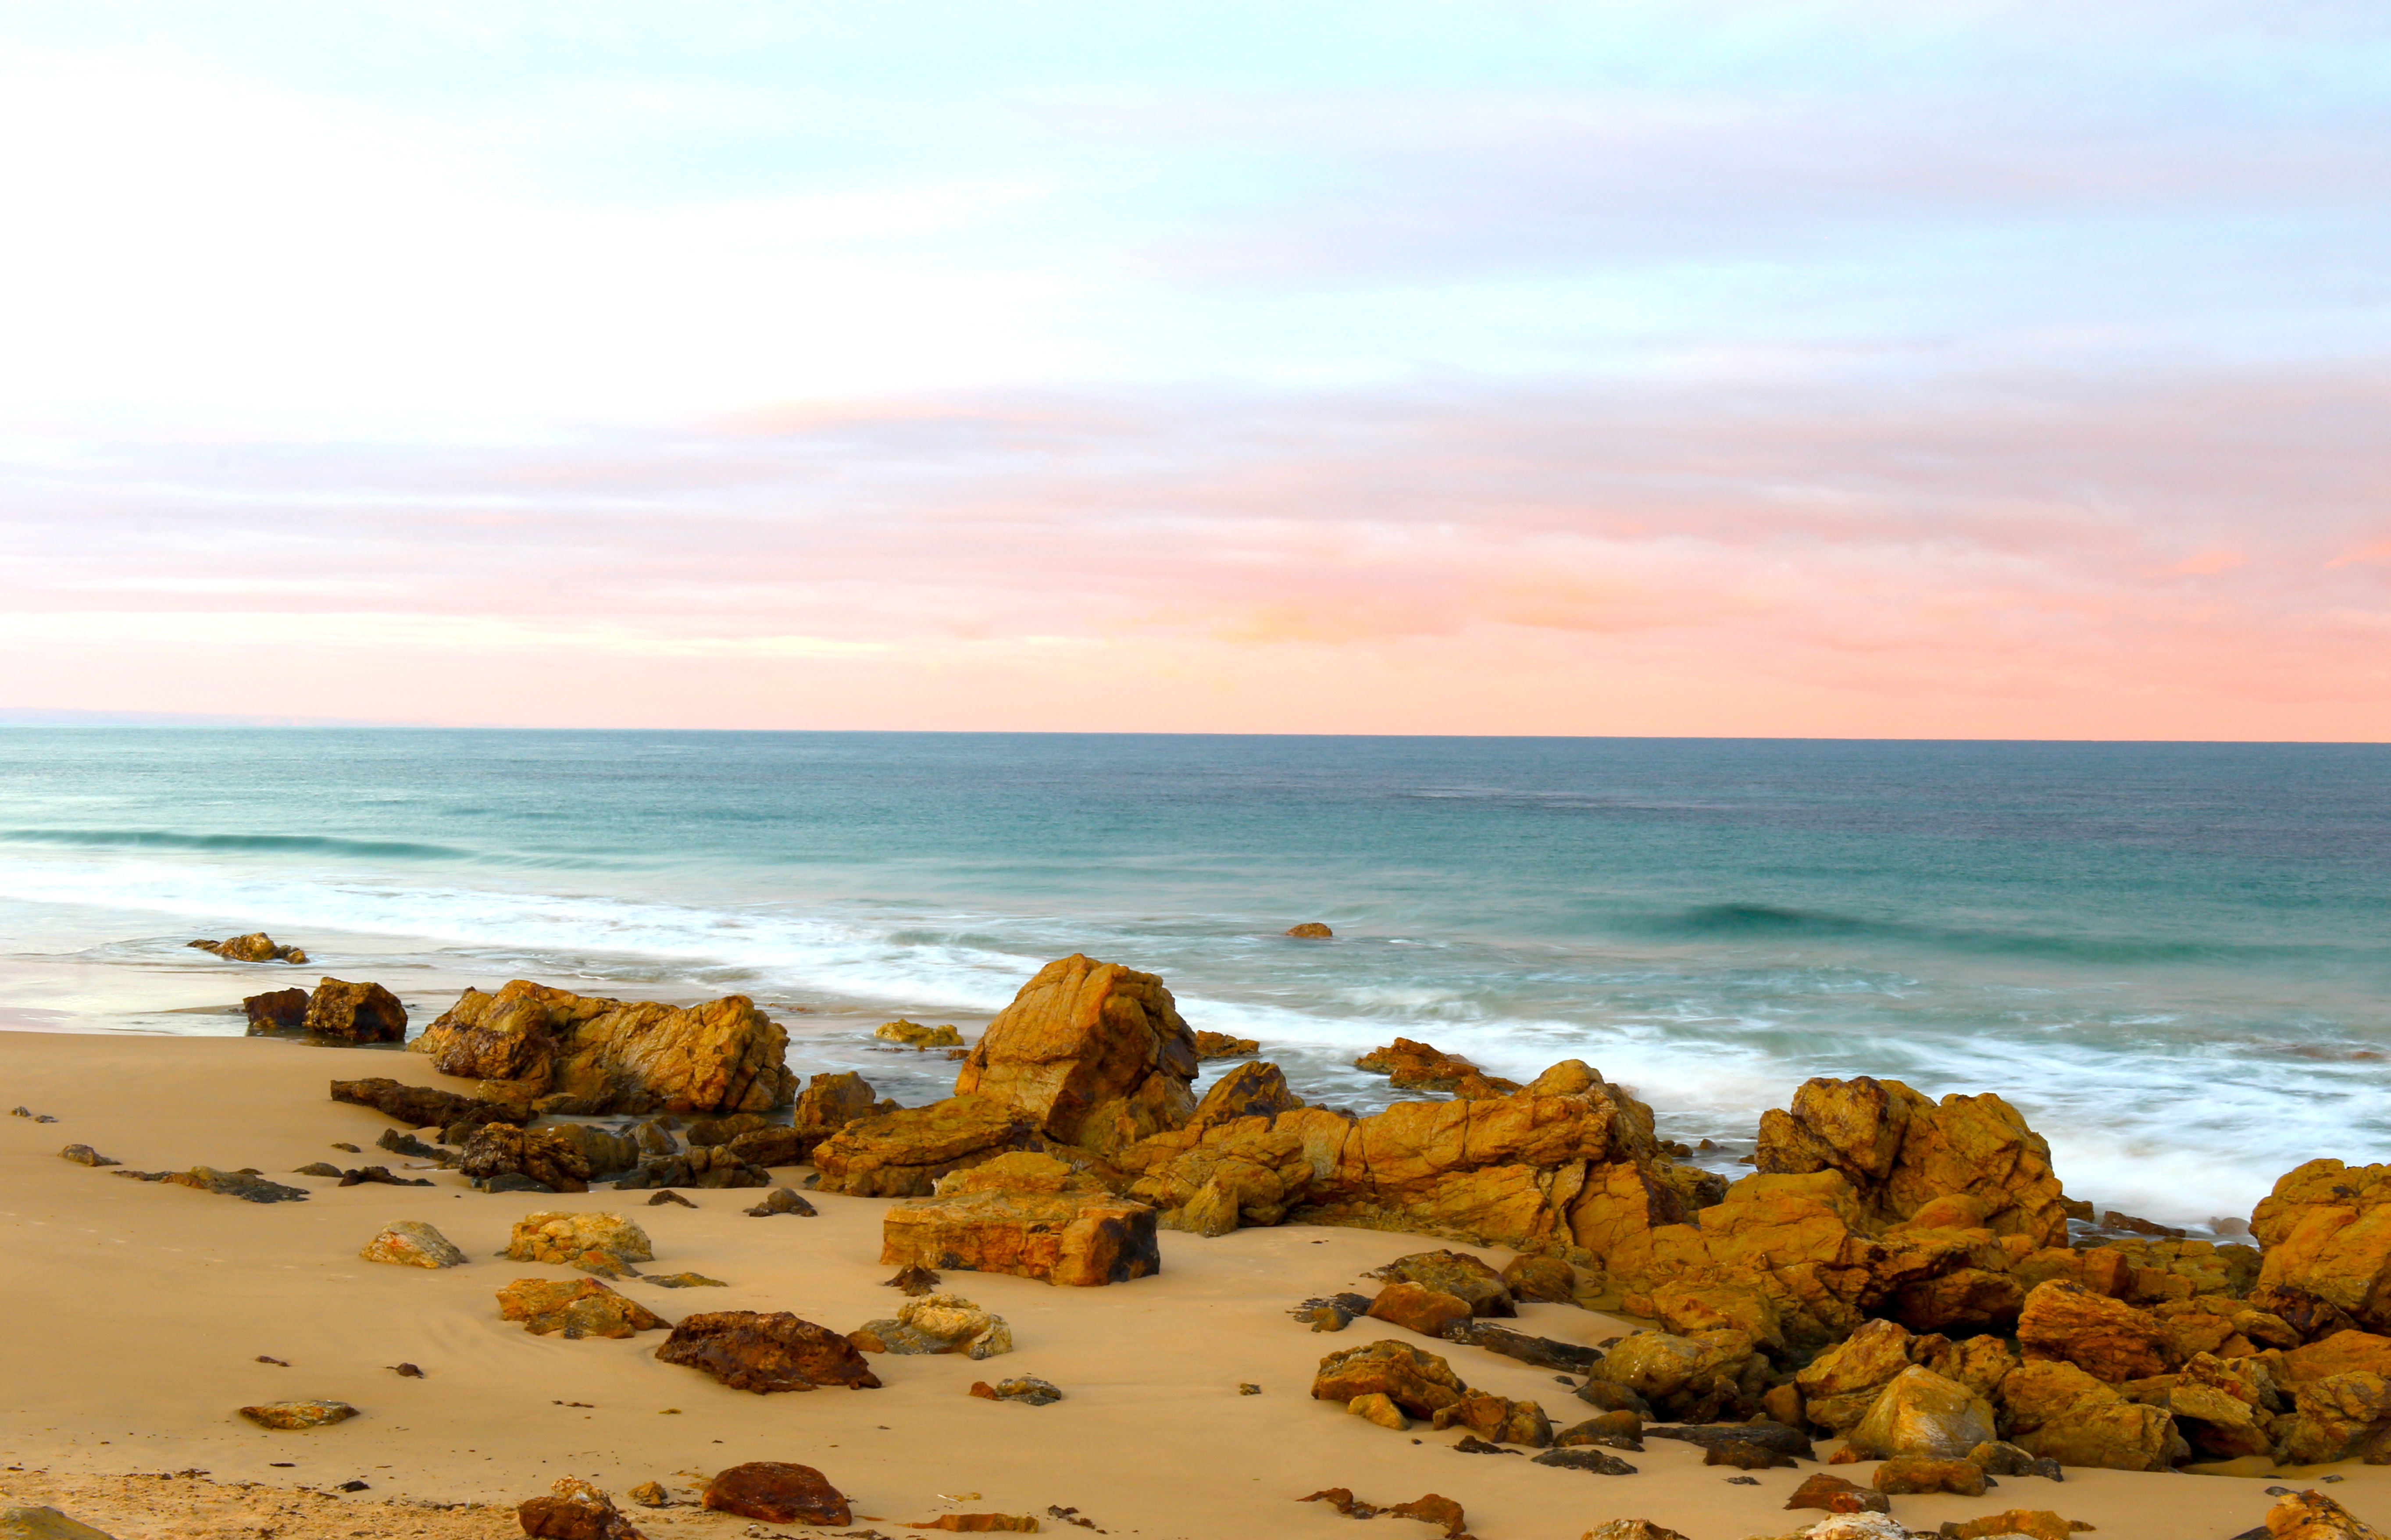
{"x":550,"y":1157}
{"x":607,"y":1154}
{"x":936,"y":1323}
{"x":2326,"y":1231}
{"x":2107,"y":1338}
{"x":782,"y":1200}
{"x":1837,"y":1495}
{"x":1375,"y":1408}
{"x":1841,"y":1384}
{"x":1921,"y":1413}
{"x":1541,"y":1353}
{"x":2008,"y":1459}
{"x":1901,"y":1151}
{"x":355,"y":1013}
{"x":422,"y":1105}
{"x":408,"y":1145}
{"x":1079,"y":1238}
{"x":574,"y":1510}
{"x":2342,"y":1353}
{"x":1496,"y":1417}
{"x":1685,"y":1379}
{"x":610,"y":1056}
{"x":412,"y":1243}
{"x":1420,"y":1383}
{"x":1252,"y":1090}
{"x":1221,"y":1046}
{"x":249,"y":1186}
{"x":578,"y":1240}
{"x":2224,"y":1408}
{"x":2340,"y":1417}
{"x":2057,"y":1410}
{"x":275,"y":1011}
{"x":1620,"y":1430}
{"x":706,"y":1132}
{"x":84,"y":1155}
{"x":828,"y":1103}
{"x":1774,"y":1438}
{"x":1026,"y":1388}
{"x":1457,"y":1274}
{"x":1418,"y":1067}
{"x":1094,"y":1052}
{"x":1417,"y":1307}
{"x":381,"y":1175}
{"x":912,"y":1280}
{"x":709,"y":1168}
{"x":778,"y":1493}
{"x":903,"y":1154}
{"x":750,"y":1351}
{"x":1548,"y":1279}
{"x":913,"y":1035}
{"x":44,"y":1523}
{"x":255,"y":947}
{"x":2312,"y":1516}
{"x":582,"y":1307}
{"x":1592,"y":1461}
{"x":289,"y":1414}
{"x":1906,"y":1474}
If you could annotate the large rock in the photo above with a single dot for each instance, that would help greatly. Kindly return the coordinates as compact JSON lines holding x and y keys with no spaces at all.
{"x":1251,"y":1090}
{"x":936,"y":1323}
{"x":582,"y":1307}
{"x":1418,"y":1382}
{"x":551,"y":1157}
{"x":2341,"y":1417}
{"x":2225,"y":1407}
{"x":610,"y":1056}
{"x":1457,"y":1274}
{"x":424,"y":1105}
{"x":2312,"y":1515}
{"x":903,"y":1154}
{"x":412,"y":1243}
{"x":778,"y":1493}
{"x":1840,"y":1385}
{"x":1713,"y":1378}
{"x":1901,"y":1151}
{"x":578,"y":1240}
{"x":1094,"y":1053}
{"x":1079,"y":1238}
{"x":2326,"y":1231}
{"x":355,"y":1013}
{"x":255,"y":947}
{"x":1419,"y":1067}
{"x":750,"y":1351}
{"x":2058,"y":1411}
{"x":2107,"y":1338}
{"x":44,"y":1523}
{"x":1921,"y":1413}
{"x":275,"y":1011}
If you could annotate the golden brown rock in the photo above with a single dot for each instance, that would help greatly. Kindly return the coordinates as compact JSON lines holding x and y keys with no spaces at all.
{"x":574,"y":1510}
{"x":2107,"y":1338}
{"x":1629,"y":1528}
{"x":1418,"y":1067}
{"x":2326,"y":1230}
{"x":1078,"y":1238}
{"x":255,"y":947}
{"x":549,"y":1156}
{"x":1311,"y":930}
{"x":1458,"y":1275}
{"x":2035,"y":1523}
{"x":2339,"y":1353}
{"x":1252,"y":1090}
{"x":1221,"y":1046}
{"x":2057,"y":1410}
{"x":1094,"y":1053}
{"x":355,"y":1013}
{"x":1419,"y":1382}
{"x":568,"y":1239}
{"x":422,"y":1105}
{"x":275,"y":1011}
{"x":778,"y":1493}
{"x":913,"y":1035}
{"x":1548,"y":1279}
{"x":753,"y":1351}
{"x":1907,"y":1474}
{"x":289,"y":1415}
{"x":2312,"y":1516}
{"x":1498,"y":1418}
{"x":582,"y":1308}
{"x":903,"y":1154}
{"x":2341,"y":1417}
{"x":1837,"y":1495}
{"x":610,"y":1056}
{"x":1429,"y":1312}
{"x":1921,"y":1413}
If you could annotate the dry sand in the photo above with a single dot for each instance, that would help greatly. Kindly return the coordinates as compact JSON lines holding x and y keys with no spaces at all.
{"x":136,"y":1313}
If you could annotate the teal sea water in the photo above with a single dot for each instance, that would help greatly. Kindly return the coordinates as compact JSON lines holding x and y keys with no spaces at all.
{"x":2175,"y":958}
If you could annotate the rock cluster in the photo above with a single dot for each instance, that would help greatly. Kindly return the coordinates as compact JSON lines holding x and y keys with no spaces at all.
{"x":591,"y":1055}
{"x":543,"y":1159}
{"x":936,"y":1323}
{"x":424,"y":1105}
{"x":582,"y":1307}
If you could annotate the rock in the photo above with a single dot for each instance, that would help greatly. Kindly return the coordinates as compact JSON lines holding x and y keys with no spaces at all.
{"x":1548,"y":1279}
{"x":1497,"y":1417}
{"x":683,"y":1280}
{"x":2035,"y":1523}
{"x":1028,"y":1389}
{"x":1914,"y":1473}
{"x":1375,"y":1407}
{"x":1921,"y":1413}
{"x":1470,"y":1443}
{"x":2008,"y":1459}
{"x":610,"y":1056}
{"x":1592,"y":1461}
{"x":1837,"y":1495}
{"x":423,"y":1107}
{"x":913,"y":1035}
{"x":1773,"y":1438}
{"x":1631,"y":1529}
{"x":750,"y":1351}
{"x":1420,"y":1383}
{"x":275,"y":1011}
{"x":289,"y":1414}
{"x":44,"y":1523}
{"x":978,"y":1523}
{"x":582,"y":1307}
{"x":408,"y":1146}
{"x":412,"y":1243}
{"x":782,"y":1200}
{"x":1683,"y":1378}
{"x":1457,"y":1274}
{"x":550,"y":1157}
{"x":2107,"y":1338}
{"x":355,"y":1013}
{"x":1221,"y":1046}
{"x":651,"y":1494}
{"x":1542,"y":1352}
{"x":313,"y":1167}
{"x":1079,"y":1238}
{"x":1620,"y":1430}
{"x":248,"y":1186}
{"x":2342,"y":1353}
{"x":1094,"y":1053}
{"x":912,"y":1279}
{"x":381,"y":1175}
{"x":255,"y":947}
{"x":2340,"y":1417}
{"x":936,"y":1323}
{"x":1311,"y":930}
{"x":903,"y":1154}
{"x":669,"y":1197}
{"x":1841,"y":1383}
{"x":1251,"y":1090}
{"x":84,"y":1155}
{"x":574,"y":1510}
{"x":1418,"y":1067}
{"x":1745,"y":1456}
{"x":1901,"y":1151}
{"x":1419,"y":1308}
{"x":778,"y":1493}
{"x":708,"y":1133}
{"x":2312,"y":1516}
{"x":2326,"y":1231}
{"x":708,"y":1168}
{"x":828,"y":1103}
{"x":2058,"y":1411}
{"x":575,"y":1239}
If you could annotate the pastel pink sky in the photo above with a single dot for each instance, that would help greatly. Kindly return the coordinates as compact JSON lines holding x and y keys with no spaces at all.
{"x":618,"y":378}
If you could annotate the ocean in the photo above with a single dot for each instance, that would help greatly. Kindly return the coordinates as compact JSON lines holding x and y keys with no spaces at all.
{"x":2175,"y":959}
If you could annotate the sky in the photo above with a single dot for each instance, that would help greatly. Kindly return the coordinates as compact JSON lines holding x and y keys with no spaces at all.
{"x":1970,"y":370}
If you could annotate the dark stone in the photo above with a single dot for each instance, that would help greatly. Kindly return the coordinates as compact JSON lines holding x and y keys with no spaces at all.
{"x":1603,"y":1394}
{"x":84,"y":1155}
{"x":275,"y":1011}
{"x":380,"y":1174}
{"x":423,"y":1107}
{"x":1745,"y":1455}
{"x":408,"y":1146}
{"x":1582,"y":1458}
{"x":1775,"y":1437}
{"x":1541,"y":1353}
{"x":913,"y":1279}
{"x":778,"y":1493}
{"x":781,"y":1200}
{"x":513,"y":1182}
{"x":1472,"y":1444}
{"x":668,"y":1195}
{"x":550,"y":1157}
{"x":355,"y":1013}
{"x":752,"y":1351}
{"x":318,"y":1168}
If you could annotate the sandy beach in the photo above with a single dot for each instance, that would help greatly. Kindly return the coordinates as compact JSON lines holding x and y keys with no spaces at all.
{"x":139,"y":1312}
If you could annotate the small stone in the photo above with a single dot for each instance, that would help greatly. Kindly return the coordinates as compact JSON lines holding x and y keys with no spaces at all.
{"x":1916,"y":1473}
{"x":1472,"y":1444}
{"x":778,"y":1493}
{"x":44,"y":1523}
{"x":350,"y":1148}
{"x":913,"y":1279}
{"x":1597,"y":1461}
{"x":1631,"y":1529}
{"x":568,"y":1240}
{"x":752,"y":1350}
{"x":21,"y":1112}
{"x":1244,"y":1389}
{"x":353,"y":1486}
{"x":1311,"y":930}
{"x":318,"y":1168}
{"x":289,"y":1414}
{"x":668,"y":1195}
{"x":651,"y":1494}
{"x":268,"y":1358}
{"x":84,"y":1155}
{"x":782,"y":1201}
{"x":684,"y":1280}
{"x":981,"y":1523}
{"x":1743,"y":1481}
{"x":1745,"y":1455}
{"x":406,"y":1371}
{"x":407,"y":1145}
{"x":1375,"y":1407}
{"x":1026,"y":1388}
{"x":1837,"y":1495}
{"x":412,"y":1243}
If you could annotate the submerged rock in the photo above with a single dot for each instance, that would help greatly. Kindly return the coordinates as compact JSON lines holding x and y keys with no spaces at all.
{"x":255,"y":947}
{"x":751,"y":1351}
{"x":1418,"y":1067}
{"x":913,"y":1035}
{"x":1311,"y":930}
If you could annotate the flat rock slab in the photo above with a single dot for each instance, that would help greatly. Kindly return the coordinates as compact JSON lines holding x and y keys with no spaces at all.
{"x":1070,"y":1237}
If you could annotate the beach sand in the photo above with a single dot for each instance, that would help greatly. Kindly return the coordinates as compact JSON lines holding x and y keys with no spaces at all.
{"x":136,"y":1313}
